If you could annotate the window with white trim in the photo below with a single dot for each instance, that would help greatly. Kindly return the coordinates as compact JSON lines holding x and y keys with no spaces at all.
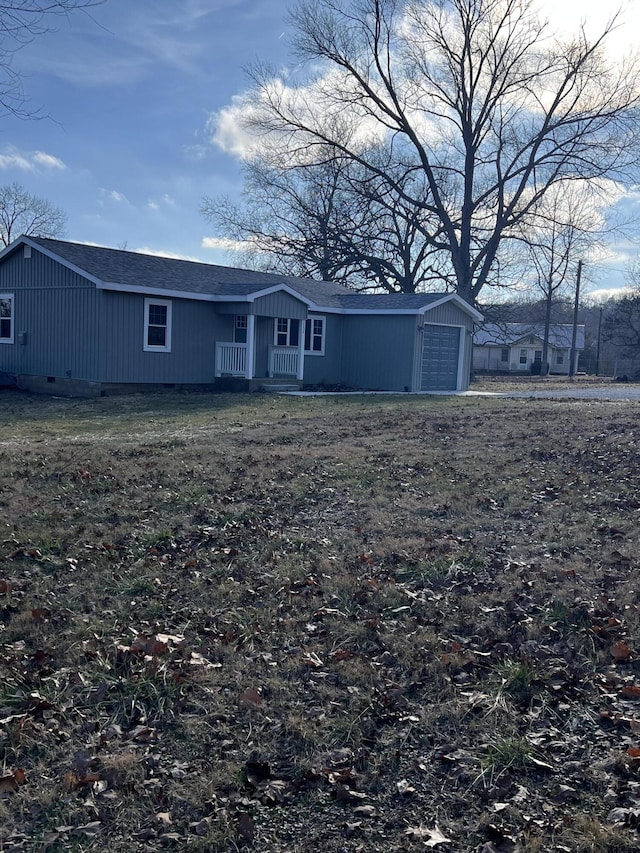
{"x":157,"y":325}
{"x":286,"y":332}
{"x":560,"y":355}
{"x":6,"y":318}
{"x":314,"y":332}
{"x":523,"y":356}
{"x":504,"y":354}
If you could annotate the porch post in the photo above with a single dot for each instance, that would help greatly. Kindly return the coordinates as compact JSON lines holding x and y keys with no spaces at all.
{"x":301,"y":331}
{"x":251,"y":346}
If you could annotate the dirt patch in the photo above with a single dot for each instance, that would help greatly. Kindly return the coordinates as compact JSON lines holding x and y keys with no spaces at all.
{"x":279,"y":623}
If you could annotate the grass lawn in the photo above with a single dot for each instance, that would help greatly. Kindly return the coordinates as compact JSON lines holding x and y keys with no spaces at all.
{"x":338,"y":624}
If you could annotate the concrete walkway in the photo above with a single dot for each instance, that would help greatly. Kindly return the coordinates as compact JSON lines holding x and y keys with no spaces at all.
{"x":614,"y":391}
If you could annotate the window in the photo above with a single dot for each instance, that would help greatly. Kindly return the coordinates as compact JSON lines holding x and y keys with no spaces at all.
{"x":560,"y":356}
{"x":537,"y":356}
{"x":504,"y":354}
{"x":157,"y":325}
{"x":6,"y":318}
{"x":523,"y":356}
{"x":240,"y":329}
{"x":286,"y":332}
{"x":314,"y":335}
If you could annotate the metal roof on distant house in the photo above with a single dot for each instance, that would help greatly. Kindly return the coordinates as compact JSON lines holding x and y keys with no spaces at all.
{"x":119,"y":269}
{"x":508,"y":334}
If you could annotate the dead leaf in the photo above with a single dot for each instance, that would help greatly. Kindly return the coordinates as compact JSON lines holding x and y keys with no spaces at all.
{"x":148,"y":646}
{"x":431,"y":837}
{"x":251,"y":698}
{"x":10,"y":783}
{"x":342,"y":654}
{"x":72,"y":780}
{"x":40,"y":614}
{"x":631,"y":691}
{"x":620,"y":652}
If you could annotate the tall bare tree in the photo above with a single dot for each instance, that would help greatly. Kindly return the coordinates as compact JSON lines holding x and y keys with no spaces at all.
{"x":20,"y":22}
{"x":476,"y":96}
{"x":24,"y":213}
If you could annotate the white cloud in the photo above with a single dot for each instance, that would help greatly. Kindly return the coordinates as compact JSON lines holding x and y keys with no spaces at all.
{"x":113,"y":196}
{"x":48,"y":160}
{"x":568,"y":16}
{"x":165,"y":201}
{"x":29,"y":161}
{"x":228,"y":130}
{"x":145,"y":250}
{"x":224,"y":244}
{"x":602,"y":294}
{"x":320,"y":104}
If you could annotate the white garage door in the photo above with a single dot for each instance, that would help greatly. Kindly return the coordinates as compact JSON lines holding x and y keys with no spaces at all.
{"x":440,"y":353}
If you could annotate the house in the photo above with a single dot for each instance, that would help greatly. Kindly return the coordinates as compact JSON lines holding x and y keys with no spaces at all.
{"x":517,"y":347}
{"x":80,"y":319}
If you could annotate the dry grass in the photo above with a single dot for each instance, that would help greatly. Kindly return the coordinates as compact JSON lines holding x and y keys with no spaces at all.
{"x":284,"y":623}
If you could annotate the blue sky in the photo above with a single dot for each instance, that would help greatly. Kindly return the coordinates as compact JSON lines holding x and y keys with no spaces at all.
{"x":131,"y":91}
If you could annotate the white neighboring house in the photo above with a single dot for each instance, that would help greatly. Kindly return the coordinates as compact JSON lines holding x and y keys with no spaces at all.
{"x":517,"y":347}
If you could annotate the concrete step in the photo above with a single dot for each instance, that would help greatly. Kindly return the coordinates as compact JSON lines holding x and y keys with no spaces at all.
{"x":279,"y":387}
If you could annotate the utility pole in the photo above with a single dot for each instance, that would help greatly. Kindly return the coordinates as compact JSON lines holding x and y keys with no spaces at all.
{"x":574,"y":335}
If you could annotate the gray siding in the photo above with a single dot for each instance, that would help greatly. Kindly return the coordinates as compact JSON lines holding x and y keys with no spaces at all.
{"x":326,"y":369}
{"x":195,"y":328}
{"x":379,"y":352}
{"x":57,"y":311}
{"x":280,"y":305}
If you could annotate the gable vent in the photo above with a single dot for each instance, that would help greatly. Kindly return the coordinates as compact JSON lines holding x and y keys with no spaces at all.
{"x":27,"y":252}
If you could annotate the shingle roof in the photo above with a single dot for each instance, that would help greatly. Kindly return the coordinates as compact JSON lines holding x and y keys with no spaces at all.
{"x":134,"y":269}
{"x":506,"y":334}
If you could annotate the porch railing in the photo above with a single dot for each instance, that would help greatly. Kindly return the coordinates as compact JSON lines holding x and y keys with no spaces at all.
{"x":283,"y":361}
{"x":231,"y":359}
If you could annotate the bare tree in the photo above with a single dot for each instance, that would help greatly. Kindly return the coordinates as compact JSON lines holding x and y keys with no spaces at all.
{"x":20,"y":22}
{"x":474,"y":95}
{"x":24,"y":213}
{"x":330,"y":220}
{"x":561,"y":230}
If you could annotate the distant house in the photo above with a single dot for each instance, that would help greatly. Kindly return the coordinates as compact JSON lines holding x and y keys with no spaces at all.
{"x":79,"y":319}
{"x":517,"y":347}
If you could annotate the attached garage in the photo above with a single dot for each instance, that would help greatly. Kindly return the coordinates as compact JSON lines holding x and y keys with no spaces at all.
{"x":440,"y":358}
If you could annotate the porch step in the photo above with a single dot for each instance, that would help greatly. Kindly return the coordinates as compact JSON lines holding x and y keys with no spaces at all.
{"x":279,"y":388}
